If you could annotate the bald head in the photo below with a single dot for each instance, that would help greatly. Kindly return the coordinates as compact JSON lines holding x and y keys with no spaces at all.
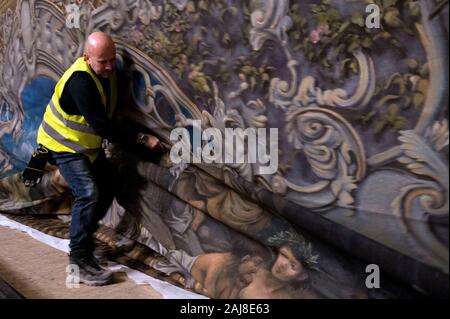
{"x":100,"y":54}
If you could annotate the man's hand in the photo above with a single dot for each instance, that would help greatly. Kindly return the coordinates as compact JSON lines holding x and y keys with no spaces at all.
{"x":148,"y":140}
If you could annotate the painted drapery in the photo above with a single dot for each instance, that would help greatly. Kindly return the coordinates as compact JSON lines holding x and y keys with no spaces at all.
{"x":363,"y":137}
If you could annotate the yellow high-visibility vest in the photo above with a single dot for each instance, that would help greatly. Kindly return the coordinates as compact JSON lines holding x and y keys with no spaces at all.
{"x":62,"y":132}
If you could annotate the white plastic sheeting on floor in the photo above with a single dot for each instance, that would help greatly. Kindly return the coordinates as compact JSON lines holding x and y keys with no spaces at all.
{"x":167,"y":290}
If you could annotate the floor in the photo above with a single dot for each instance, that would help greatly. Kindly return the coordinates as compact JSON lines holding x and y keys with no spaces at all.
{"x":8,"y":292}
{"x":36,"y":270}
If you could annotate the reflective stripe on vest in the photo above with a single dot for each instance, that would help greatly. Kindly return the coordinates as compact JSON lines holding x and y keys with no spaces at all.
{"x":71,"y":124}
{"x":62,"y":132}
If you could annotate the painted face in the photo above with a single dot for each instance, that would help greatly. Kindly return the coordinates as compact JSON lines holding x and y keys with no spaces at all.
{"x":287,"y":267}
{"x":102,"y":62}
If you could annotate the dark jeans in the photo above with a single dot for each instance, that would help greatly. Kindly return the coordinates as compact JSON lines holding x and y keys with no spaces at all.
{"x":93,"y":187}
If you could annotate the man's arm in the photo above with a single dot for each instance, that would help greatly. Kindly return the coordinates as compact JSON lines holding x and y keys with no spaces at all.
{"x":148,"y":140}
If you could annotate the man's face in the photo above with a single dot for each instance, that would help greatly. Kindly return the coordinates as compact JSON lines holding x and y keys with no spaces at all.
{"x":102,"y":62}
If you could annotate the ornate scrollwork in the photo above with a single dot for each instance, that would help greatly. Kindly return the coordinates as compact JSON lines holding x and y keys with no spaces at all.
{"x":114,"y":14}
{"x":6,"y":23}
{"x":283,"y":94}
{"x":432,"y":35}
{"x":33,"y":49}
{"x":270,"y":22}
{"x":334,"y":153}
{"x":148,"y":111}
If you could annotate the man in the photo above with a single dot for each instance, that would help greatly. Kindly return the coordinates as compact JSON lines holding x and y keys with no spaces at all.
{"x":75,"y":122}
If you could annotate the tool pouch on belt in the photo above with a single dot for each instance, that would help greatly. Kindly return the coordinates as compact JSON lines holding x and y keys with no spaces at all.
{"x":32,"y":174}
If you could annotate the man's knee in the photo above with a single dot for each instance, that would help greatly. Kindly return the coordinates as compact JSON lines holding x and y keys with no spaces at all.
{"x":57,"y":179}
{"x":90,"y":194}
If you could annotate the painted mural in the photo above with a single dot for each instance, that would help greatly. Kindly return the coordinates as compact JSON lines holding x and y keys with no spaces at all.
{"x":361,"y":112}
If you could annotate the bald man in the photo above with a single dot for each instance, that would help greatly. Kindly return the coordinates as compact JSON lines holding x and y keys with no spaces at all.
{"x":77,"y":119}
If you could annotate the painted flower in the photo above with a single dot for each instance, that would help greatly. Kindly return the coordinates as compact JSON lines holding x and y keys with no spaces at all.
{"x":157,"y":46}
{"x":279,"y":185}
{"x":176,"y":27}
{"x":323,"y":28}
{"x":314,"y":36}
{"x":184,"y":59}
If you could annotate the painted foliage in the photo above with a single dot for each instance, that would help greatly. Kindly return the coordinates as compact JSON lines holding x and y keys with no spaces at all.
{"x":361,"y":113}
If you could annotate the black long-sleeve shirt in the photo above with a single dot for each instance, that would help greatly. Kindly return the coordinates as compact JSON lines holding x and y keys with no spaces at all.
{"x":81,"y":97}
